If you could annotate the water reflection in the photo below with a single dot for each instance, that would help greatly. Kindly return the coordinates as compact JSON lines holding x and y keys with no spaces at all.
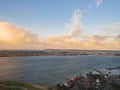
{"x":49,"y":70}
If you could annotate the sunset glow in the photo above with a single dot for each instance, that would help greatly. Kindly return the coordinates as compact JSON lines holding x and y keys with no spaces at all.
{"x":79,"y":30}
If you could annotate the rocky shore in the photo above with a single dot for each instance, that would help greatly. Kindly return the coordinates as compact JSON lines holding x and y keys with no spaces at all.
{"x":94,"y":80}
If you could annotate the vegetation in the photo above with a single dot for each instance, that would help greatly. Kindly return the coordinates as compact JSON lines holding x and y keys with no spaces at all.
{"x":18,"y":84}
{"x":4,"y":88}
{"x":50,"y":88}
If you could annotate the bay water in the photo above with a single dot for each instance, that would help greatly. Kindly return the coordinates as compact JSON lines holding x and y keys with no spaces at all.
{"x":51,"y":70}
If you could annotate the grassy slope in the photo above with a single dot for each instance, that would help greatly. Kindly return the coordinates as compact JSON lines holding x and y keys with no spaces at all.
{"x":3,"y":88}
{"x":15,"y":83}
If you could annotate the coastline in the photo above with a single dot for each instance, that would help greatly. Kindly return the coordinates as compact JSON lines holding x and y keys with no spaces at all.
{"x":15,"y":53}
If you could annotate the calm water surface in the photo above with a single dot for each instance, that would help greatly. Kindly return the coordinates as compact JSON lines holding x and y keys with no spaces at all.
{"x":50,"y":70}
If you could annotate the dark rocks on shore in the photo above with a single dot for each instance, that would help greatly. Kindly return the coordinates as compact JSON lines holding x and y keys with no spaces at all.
{"x":90,"y":81}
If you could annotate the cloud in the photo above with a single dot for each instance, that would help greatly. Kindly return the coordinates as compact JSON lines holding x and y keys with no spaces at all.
{"x":69,"y":41}
{"x":15,"y":36}
{"x":98,"y":2}
{"x":112,"y":27}
{"x":96,"y":42}
{"x":101,"y":38}
{"x":109,"y":29}
{"x":74,"y":26}
{"x":117,"y":39}
{"x":88,"y":9}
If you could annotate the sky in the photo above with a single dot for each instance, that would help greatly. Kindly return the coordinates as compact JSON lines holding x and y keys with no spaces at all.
{"x":60,"y":24}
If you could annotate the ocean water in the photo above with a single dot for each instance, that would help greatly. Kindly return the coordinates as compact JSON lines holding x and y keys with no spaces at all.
{"x":50,"y":70}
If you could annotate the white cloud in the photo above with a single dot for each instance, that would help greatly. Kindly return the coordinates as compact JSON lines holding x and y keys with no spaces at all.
{"x":74,"y":27}
{"x":98,"y":2}
{"x":87,"y":9}
{"x":112,"y":29}
{"x":75,"y":24}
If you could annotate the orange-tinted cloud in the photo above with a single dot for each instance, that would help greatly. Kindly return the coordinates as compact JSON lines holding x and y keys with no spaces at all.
{"x":88,"y":43}
{"x":15,"y":37}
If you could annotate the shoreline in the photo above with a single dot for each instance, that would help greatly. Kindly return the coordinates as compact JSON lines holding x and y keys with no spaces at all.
{"x":13,"y":53}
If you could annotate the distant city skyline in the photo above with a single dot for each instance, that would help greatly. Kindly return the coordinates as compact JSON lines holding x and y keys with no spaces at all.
{"x":63,"y":24}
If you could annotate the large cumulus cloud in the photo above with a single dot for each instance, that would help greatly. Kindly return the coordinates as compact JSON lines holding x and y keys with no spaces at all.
{"x":12,"y":36}
{"x":16,"y":37}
